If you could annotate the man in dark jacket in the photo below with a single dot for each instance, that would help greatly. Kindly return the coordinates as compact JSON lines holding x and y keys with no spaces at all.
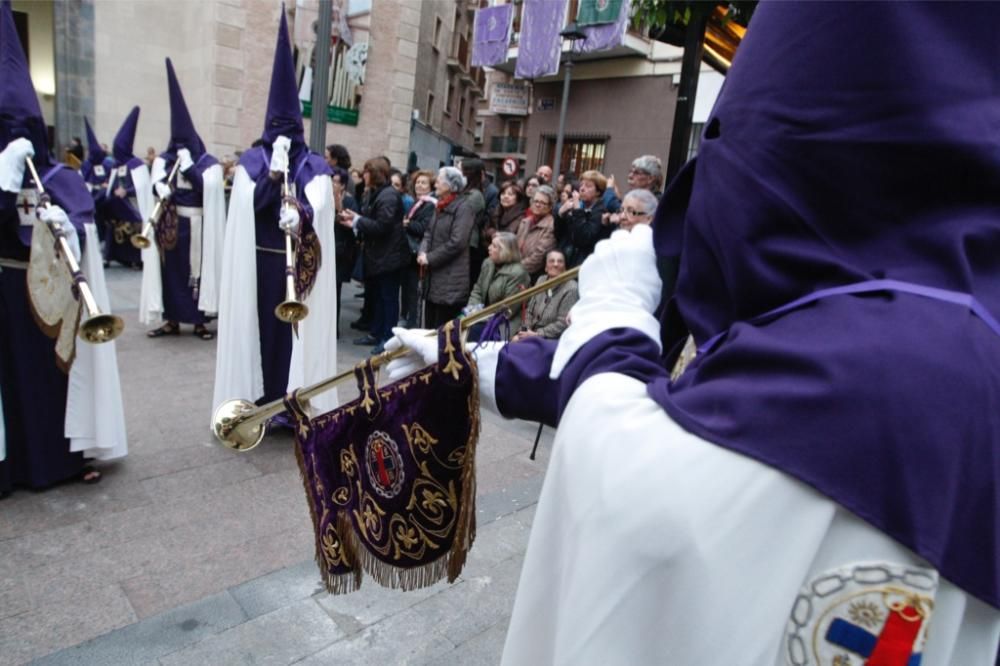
{"x":379,"y":226}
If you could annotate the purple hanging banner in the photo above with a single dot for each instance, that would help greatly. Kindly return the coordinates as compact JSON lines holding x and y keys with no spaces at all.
{"x":492,"y":35}
{"x":607,"y":36}
{"x":540,"y":45}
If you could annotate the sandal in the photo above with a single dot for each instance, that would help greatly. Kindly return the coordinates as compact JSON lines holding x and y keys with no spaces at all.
{"x":204,"y":333}
{"x":89,"y":475}
{"x":169,"y":328}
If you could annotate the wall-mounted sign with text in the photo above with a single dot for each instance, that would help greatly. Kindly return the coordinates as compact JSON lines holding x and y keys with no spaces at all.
{"x":510,"y":99}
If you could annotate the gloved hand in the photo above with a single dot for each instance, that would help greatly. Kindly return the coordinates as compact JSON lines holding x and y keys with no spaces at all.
{"x":162,"y":190}
{"x":289,"y":219}
{"x":423,"y":351}
{"x":619,"y":288}
{"x":59,"y":221}
{"x":12,"y":164}
{"x":184,"y":157}
{"x":470,"y":309}
{"x":279,"y":154}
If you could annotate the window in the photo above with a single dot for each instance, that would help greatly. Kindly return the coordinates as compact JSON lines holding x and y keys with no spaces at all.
{"x":472,"y":112}
{"x":578,"y":154}
{"x":448,"y":99}
{"x":437,"y":33}
{"x":430,"y":107}
{"x":461,"y":110}
{"x":478,"y":134}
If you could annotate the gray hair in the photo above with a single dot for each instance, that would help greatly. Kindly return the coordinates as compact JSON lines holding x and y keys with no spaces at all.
{"x":510,"y":253}
{"x":644,"y":198}
{"x":651,"y":164}
{"x":454,"y":178}
{"x":548,"y":193}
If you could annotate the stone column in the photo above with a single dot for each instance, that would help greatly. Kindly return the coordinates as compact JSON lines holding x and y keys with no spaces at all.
{"x":73,"y":22}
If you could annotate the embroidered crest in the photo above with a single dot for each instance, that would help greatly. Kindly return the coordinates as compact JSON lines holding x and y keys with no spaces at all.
{"x":182,"y":182}
{"x":602,"y":5}
{"x":384,"y":463}
{"x":27,"y":202}
{"x":99,"y":170}
{"x":873,"y":612}
{"x":123,"y":171}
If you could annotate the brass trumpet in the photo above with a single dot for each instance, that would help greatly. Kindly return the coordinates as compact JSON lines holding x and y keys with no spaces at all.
{"x":239,"y":424}
{"x":97,"y":327}
{"x":141,"y":239}
{"x":291,"y":310}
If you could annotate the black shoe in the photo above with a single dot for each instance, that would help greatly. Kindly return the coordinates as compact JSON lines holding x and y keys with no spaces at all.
{"x":367,"y":341}
{"x":361,"y":325}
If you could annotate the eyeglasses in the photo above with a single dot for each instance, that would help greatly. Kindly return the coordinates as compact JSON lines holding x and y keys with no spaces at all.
{"x":632,"y":212}
{"x":641,"y":172}
{"x":540,"y":202}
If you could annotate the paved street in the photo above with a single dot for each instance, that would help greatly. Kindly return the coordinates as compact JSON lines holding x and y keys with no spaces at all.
{"x":188,"y":553}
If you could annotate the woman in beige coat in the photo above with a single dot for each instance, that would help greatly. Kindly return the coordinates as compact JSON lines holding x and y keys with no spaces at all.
{"x":537,"y":235}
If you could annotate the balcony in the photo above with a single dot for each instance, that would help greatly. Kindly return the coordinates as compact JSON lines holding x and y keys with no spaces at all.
{"x":507,"y":144}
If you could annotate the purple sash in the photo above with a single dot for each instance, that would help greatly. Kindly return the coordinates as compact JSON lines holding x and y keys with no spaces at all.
{"x":390,"y":476}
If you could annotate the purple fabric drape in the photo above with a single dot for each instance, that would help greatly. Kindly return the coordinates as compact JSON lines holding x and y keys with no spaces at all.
{"x":492,"y":35}
{"x":540,"y":44}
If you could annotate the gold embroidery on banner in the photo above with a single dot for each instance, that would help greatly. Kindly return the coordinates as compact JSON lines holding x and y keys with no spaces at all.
{"x":366,"y":400}
{"x":453,"y":367}
{"x":123,"y":231}
{"x":308,"y":259}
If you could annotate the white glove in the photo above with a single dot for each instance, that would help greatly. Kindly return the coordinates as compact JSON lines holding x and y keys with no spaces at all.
{"x":12,"y":164}
{"x":184,"y":157}
{"x":162,"y":190}
{"x":471,"y":309}
{"x":279,"y":153}
{"x":289,"y":219}
{"x":619,"y":288}
{"x":57,"y":218}
{"x":423,"y":351}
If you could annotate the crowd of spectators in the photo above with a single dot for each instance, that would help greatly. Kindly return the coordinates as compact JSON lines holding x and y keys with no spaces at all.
{"x":432,"y":246}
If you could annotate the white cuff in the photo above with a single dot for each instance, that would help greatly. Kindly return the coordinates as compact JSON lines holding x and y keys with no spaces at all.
{"x":591,"y":319}
{"x":487,"y":357}
{"x":11,"y":172}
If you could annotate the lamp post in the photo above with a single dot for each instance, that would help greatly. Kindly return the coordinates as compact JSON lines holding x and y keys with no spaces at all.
{"x":572,"y":33}
{"x":321,"y":73}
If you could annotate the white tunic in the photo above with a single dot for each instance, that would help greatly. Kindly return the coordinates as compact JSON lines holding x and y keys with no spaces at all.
{"x":653,"y":546}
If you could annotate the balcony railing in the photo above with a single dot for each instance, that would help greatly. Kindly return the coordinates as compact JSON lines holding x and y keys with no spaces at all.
{"x":507,"y":144}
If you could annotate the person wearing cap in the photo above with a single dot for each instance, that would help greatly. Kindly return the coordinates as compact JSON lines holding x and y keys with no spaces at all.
{"x":816,"y":483}
{"x":182,"y":265}
{"x":261,"y":357}
{"x":60,"y":397}
{"x":128,"y":197}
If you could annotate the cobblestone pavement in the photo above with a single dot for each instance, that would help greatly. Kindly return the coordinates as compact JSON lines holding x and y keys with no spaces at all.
{"x":188,"y":553}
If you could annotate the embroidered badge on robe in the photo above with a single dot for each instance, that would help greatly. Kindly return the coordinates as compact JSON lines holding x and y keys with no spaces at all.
{"x":390,"y":477}
{"x":54,"y":304}
{"x":867,"y":613}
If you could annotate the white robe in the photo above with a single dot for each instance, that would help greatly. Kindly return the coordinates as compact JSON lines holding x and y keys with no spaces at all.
{"x":213,"y":230}
{"x":653,"y":546}
{"x":238,"y":371}
{"x":95,"y":417}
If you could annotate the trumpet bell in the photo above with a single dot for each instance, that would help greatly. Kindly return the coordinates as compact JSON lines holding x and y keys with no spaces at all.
{"x":291,"y":311}
{"x":101,"y":328}
{"x":231,"y":430}
{"x":140,"y":241}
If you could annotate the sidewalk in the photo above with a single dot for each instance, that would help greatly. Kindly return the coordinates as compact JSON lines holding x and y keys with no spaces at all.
{"x":188,"y":553}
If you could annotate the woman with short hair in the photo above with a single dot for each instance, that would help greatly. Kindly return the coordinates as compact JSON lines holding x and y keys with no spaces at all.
{"x":536,"y":234}
{"x":578,"y":224}
{"x":444,"y":250}
{"x":547,"y":313}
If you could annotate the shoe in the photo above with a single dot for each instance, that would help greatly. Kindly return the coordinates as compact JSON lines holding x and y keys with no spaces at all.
{"x":367,"y":340}
{"x":376,"y":350}
{"x":89,"y":475}
{"x":169,"y":328}
{"x":361,"y":325}
{"x":203,"y":333}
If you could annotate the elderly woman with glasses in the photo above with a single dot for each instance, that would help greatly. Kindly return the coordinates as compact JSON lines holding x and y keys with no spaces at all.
{"x":547,"y":314}
{"x":537,"y":234}
{"x":637,"y":208}
{"x":444,"y":251}
{"x":646,"y":174}
{"x":501,"y":276}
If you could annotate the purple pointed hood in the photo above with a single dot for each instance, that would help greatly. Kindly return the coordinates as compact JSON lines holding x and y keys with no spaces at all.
{"x":126,"y":137}
{"x":182,"y":131}
{"x":284,"y":114}
{"x":95,"y":153}
{"x":825,"y":168}
{"x":20,"y":114}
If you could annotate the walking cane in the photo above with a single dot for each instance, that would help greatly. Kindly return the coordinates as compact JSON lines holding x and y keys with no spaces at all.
{"x":538,"y":436}
{"x":421,"y":295}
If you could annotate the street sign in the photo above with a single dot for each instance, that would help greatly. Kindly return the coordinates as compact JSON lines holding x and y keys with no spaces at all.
{"x":509,"y":166}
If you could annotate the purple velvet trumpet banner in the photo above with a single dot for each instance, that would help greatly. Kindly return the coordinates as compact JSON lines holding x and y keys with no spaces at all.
{"x":390,"y":477}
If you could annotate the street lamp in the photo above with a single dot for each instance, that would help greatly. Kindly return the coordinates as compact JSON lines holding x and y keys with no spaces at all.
{"x":572,"y":33}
